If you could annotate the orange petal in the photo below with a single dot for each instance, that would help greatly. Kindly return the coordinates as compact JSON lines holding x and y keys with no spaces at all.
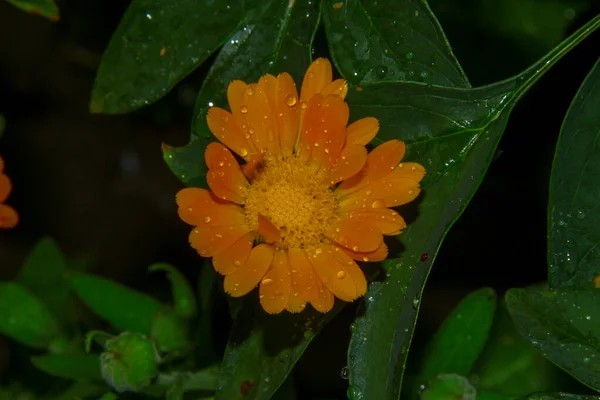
{"x":330,"y":131}
{"x":349,"y":163}
{"x":267,"y":230}
{"x":409,"y":170}
{"x":295,"y":304}
{"x":380,"y":162}
{"x":338,"y":272}
{"x":362,"y":131}
{"x":338,"y":87}
{"x":386,"y":192}
{"x":262,"y":124}
{"x":5,"y":187}
{"x":209,"y":241}
{"x":200,"y":207}
{"x":253,"y":166}
{"x":275,"y":287}
{"x":8,"y":216}
{"x":318,"y":75}
{"x":372,"y":256}
{"x":225,"y":174}
{"x":224,"y":127}
{"x":386,"y":220}
{"x":311,"y":117}
{"x":358,"y":236}
{"x":228,"y":261}
{"x":325,"y":301}
{"x":251,"y":272}
{"x":288,"y":115}
{"x":304,"y":281}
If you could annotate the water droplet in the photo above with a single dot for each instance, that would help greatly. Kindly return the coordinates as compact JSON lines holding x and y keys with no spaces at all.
{"x":355,"y":248}
{"x":267,"y":281}
{"x":416,"y":302}
{"x":207,"y":219}
{"x":378,"y":204}
{"x":244,"y":109}
{"x":149,"y":16}
{"x":344,"y":373}
{"x":341,"y":274}
{"x":580,"y":214}
{"x":354,"y":393}
{"x":249,"y":91}
{"x":291,"y":100}
{"x":409,"y":55}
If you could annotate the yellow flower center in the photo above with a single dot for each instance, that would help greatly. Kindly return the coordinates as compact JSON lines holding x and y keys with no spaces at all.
{"x":295,"y":198}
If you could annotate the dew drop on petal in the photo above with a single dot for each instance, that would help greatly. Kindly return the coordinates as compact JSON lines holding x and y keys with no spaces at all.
{"x":291,"y":100}
{"x":355,"y":248}
{"x":243,"y":152}
{"x":249,"y":91}
{"x":267,"y":281}
{"x":244,"y":109}
{"x":378,"y":204}
{"x":341,"y":274}
{"x":207,"y":219}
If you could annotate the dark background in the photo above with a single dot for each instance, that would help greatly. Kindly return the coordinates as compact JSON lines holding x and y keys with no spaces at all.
{"x":98,"y":185}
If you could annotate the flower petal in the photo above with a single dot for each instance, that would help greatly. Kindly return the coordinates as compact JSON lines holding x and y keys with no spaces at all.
{"x":5,"y":187}
{"x":267,"y":230}
{"x":304,"y":280}
{"x":380,"y":162}
{"x":200,"y":207}
{"x":8,"y":217}
{"x":318,"y":75}
{"x":212,"y":240}
{"x":295,"y":304}
{"x":409,"y":170}
{"x":288,"y":115}
{"x":362,"y":131}
{"x":358,"y":236}
{"x":275,"y":287}
{"x":262,"y":124}
{"x":229,"y":260}
{"x":338,"y":272}
{"x":386,"y":192}
{"x":330,"y":132}
{"x":226,"y":177}
{"x":338,"y":87}
{"x":372,"y":256}
{"x":386,"y":220}
{"x":251,"y":272}
{"x":325,"y":301}
{"x":349,"y":163}
{"x":224,"y":127}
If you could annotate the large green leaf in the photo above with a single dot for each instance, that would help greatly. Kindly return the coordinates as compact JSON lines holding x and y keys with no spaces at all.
{"x":24,"y":317}
{"x":124,"y":308}
{"x":45,"y":8}
{"x":574,"y":211}
{"x":449,"y":386}
{"x":374,"y":41}
{"x":457,"y":344}
{"x":263,"y":348}
{"x":454,"y":133}
{"x":44,"y":273}
{"x":156,"y":45}
{"x":70,"y":366}
{"x":564,"y":325}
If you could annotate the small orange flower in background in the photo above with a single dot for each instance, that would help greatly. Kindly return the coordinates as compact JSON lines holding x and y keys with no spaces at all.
{"x":8,"y":216}
{"x":308,"y":200}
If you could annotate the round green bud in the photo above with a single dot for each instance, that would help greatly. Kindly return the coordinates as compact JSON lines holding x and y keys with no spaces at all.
{"x":129,"y":362}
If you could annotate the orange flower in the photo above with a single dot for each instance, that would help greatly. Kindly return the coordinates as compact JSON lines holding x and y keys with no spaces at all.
{"x":308,"y":200}
{"x":8,"y":216}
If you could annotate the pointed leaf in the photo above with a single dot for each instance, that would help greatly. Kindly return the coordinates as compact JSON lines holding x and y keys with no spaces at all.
{"x":183,"y":295}
{"x":70,"y":366}
{"x":374,"y":41}
{"x":45,"y":8}
{"x":454,"y":133}
{"x":24,"y":317}
{"x":156,"y":45}
{"x":125,"y":309}
{"x":564,"y":325}
{"x":573,"y":210}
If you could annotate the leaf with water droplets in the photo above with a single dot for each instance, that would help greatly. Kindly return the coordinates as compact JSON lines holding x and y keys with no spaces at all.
{"x":564,"y":325}
{"x":156,"y":45}
{"x":457,"y":344}
{"x":454,"y":134}
{"x":45,"y":8}
{"x":377,"y":41}
{"x":70,"y":366}
{"x":573,"y":209}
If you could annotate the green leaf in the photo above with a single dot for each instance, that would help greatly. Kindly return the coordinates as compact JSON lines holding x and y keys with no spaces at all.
{"x":24,"y":317}
{"x":183,"y":295}
{"x":271,"y":42}
{"x":187,"y":162}
{"x":263,"y":349}
{"x":573,"y":210}
{"x":375,"y":41}
{"x":564,"y":325}
{"x":449,"y":386}
{"x":44,"y":273}
{"x":125,"y":309}
{"x":82,"y":390}
{"x":156,"y":45}
{"x":457,"y":344}
{"x":454,"y":133}
{"x":70,"y":366}
{"x":558,"y":396}
{"x":45,"y":8}
{"x":510,"y":366}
